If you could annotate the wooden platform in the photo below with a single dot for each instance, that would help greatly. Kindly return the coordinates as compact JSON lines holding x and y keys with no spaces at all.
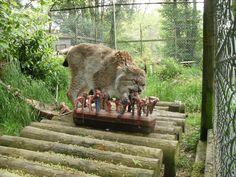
{"x":115,"y":121}
{"x":58,"y":147}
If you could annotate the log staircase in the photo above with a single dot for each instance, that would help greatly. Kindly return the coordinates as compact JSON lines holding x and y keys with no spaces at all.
{"x":58,"y":148}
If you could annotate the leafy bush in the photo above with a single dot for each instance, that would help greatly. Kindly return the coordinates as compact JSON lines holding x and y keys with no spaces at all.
{"x":56,"y":74}
{"x":170,"y":69}
{"x":23,"y":37}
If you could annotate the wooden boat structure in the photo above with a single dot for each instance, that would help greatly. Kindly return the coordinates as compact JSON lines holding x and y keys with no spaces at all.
{"x":115,"y":121}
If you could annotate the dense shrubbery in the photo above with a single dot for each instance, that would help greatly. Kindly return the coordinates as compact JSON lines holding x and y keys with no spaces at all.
{"x":24,"y":37}
{"x":170,"y":69}
{"x":32,"y":67}
{"x":173,"y":82}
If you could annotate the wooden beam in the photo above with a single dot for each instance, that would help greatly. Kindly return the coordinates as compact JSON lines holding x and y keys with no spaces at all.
{"x":209,"y":33}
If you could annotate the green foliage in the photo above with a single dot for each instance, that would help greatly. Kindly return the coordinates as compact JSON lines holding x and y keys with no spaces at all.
{"x":23,"y":37}
{"x":180,"y":24}
{"x":191,"y":138}
{"x":170,"y":69}
{"x":16,"y":114}
{"x":31,"y":88}
{"x":198,"y":169}
{"x":176,"y":83}
{"x":183,"y":162}
{"x":56,"y":73}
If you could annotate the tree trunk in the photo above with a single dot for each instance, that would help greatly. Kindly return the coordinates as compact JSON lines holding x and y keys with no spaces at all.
{"x":86,"y":165}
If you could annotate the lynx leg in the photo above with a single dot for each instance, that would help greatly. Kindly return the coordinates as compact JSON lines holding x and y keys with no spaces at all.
{"x":77,"y":87}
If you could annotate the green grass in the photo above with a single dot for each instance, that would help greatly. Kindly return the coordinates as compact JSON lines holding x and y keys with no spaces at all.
{"x":184,"y":86}
{"x":185,"y":162}
{"x":15,"y":114}
{"x":198,"y":169}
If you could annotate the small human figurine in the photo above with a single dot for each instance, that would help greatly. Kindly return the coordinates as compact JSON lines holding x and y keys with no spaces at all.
{"x":85,"y":95}
{"x":81,"y":100}
{"x":97,"y":99}
{"x":125,"y":102}
{"x":117,"y":103}
{"x":132,"y":98}
{"x":89,"y":102}
{"x":151,"y":104}
{"x":108,"y":106}
{"x":140,"y":104}
{"x":63,"y":108}
{"x":107,"y":102}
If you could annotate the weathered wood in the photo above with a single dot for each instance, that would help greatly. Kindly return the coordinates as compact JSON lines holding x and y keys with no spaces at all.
{"x":210,"y":52}
{"x":88,"y":132}
{"x":166,"y":108}
{"x":4,"y":173}
{"x":86,"y":165}
{"x":174,"y":130}
{"x":82,"y":152}
{"x":179,"y":121}
{"x":163,"y":136}
{"x":165,"y":123}
{"x":168,"y":147}
{"x":37,"y":169}
{"x":43,"y":134}
{"x":164,"y":113}
{"x":115,"y":121}
{"x":172,"y":106}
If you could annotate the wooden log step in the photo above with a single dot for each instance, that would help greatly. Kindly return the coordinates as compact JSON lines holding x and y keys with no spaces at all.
{"x":164,"y":113}
{"x":82,"y":152}
{"x":165,"y":123}
{"x":168,"y":147}
{"x":166,"y":108}
{"x":178,"y":107}
{"x":6,"y":173}
{"x":47,"y":135}
{"x":178,"y":121}
{"x":37,"y":169}
{"x":164,"y":103}
{"x":175,"y":130}
{"x":88,"y":131}
{"x":85,"y":165}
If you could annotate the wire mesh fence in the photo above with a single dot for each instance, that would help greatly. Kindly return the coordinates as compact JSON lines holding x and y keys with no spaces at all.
{"x":149,"y":31}
{"x":225,"y":95}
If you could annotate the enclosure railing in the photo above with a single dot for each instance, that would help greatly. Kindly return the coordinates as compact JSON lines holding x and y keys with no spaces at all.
{"x":225,"y":93}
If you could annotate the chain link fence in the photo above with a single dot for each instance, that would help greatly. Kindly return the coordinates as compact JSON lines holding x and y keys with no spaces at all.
{"x":149,"y":31}
{"x":225,"y":93}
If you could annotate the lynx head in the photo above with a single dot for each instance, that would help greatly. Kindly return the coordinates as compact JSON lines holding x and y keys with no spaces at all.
{"x":130,"y":78}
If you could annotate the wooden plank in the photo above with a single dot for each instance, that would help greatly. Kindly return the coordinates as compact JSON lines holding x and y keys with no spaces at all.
{"x":37,"y":169}
{"x":79,"y":151}
{"x":168,"y":147}
{"x":88,"y":131}
{"x":115,"y":121}
{"x":43,"y":134}
{"x":5,"y":173}
{"x":85,"y":165}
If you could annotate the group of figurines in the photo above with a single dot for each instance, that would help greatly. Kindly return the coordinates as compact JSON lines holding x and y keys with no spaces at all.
{"x":104,"y":101}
